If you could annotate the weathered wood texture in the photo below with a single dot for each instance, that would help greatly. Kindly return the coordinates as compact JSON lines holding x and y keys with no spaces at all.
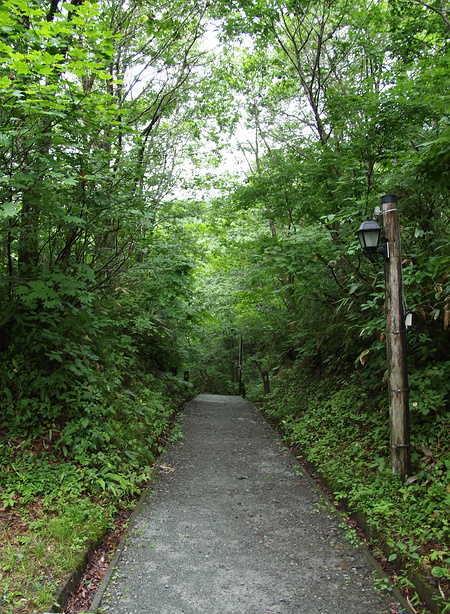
{"x":396,"y":342}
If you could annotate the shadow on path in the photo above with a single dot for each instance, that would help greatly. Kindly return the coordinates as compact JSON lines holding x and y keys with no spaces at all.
{"x":233,"y":525}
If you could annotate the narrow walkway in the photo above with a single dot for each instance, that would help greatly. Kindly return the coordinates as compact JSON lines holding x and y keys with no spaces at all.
{"x":234,"y":526}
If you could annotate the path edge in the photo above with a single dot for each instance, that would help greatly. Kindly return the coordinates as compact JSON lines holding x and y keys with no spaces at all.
{"x":143,"y":499}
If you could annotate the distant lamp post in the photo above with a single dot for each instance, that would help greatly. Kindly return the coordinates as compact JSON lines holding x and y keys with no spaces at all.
{"x":369,"y":234}
{"x":239,"y":364}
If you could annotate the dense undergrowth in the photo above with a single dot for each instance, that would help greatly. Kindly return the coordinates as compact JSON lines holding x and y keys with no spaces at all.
{"x":343,"y":431}
{"x":61,"y":488}
{"x":88,"y":397}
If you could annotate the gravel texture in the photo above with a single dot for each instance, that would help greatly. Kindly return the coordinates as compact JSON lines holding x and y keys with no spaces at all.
{"x":234,"y":525}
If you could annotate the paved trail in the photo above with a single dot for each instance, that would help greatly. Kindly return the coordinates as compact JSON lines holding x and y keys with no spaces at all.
{"x":234,"y":526}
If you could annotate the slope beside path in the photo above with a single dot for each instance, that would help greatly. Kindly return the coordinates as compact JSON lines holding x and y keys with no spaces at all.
{"x":234,"y":526}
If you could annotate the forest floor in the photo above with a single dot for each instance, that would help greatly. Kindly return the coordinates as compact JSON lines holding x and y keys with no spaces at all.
{"x":235,"y":524}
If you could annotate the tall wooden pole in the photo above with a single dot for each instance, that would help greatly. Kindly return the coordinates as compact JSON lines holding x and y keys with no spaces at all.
{"x":240,"y":366}
{"x":396,"y":343}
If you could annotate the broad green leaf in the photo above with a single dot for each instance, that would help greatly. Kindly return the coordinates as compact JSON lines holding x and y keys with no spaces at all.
{"x":9,"y":209}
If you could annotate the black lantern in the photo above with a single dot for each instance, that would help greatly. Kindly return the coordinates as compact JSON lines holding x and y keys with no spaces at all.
{"x":369,"y":236}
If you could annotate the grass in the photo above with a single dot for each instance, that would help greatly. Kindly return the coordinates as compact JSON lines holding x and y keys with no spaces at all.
{"x":40,"y":546}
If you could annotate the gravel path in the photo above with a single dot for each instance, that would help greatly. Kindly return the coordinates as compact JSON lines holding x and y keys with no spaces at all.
{"x":233,"y":525}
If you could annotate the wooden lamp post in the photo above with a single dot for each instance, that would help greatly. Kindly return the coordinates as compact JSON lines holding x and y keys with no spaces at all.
{"x":239,"y":364}
{"x":395,"y":330}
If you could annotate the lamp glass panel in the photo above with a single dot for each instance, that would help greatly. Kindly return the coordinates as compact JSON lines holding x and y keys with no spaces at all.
{"x":371,"y":238}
